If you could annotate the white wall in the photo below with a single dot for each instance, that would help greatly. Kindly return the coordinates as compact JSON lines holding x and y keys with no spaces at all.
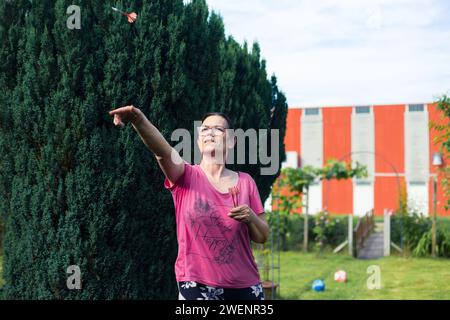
{"x":312,"y":154}
{"x":315,"y":198}
{"x":416,"y":146}
{"x":291,"y":160}
{"x":363,"y":151}
{"x":418,"y":197}
{"x":417,"y":158}
{"x":363,"y":199}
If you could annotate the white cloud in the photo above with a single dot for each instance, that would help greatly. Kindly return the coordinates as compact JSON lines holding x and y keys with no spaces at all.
{"x":349,"y":51}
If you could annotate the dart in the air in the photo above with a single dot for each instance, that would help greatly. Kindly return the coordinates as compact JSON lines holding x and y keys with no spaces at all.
{"x":132,"y":16}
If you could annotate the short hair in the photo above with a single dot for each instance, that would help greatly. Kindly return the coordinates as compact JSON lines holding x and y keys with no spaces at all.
{"x":220,"y":114}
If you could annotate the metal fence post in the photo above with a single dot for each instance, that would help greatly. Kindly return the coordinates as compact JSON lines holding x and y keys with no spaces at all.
{"x":350,"y":234}
{"x":387,"y":233}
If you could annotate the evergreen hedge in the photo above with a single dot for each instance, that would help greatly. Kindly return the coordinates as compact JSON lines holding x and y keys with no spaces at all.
{"x":75,"y":190}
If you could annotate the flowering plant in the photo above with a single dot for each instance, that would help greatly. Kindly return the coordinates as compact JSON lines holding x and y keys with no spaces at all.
{"x":323,"y":226}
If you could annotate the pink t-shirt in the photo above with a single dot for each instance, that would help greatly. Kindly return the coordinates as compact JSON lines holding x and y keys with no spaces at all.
{"x":213,"y":248}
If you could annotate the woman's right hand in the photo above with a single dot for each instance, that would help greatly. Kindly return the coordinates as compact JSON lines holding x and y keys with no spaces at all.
{"x":126,"y":114}
{"x":168,"y":158}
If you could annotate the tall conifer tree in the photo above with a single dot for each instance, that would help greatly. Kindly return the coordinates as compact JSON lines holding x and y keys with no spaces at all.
{"x":75,"y":190}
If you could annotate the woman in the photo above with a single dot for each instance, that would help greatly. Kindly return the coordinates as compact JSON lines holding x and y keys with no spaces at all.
{"x":214,"y":225}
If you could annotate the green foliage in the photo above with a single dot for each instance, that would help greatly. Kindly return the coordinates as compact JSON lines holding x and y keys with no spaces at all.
{"x":323,"y":227}
{"x":299,"y":179}
{"x":2,"y":231}
{"x":75,"y":190}
{"x":295,"y":233}
{"x":280,"y":220}
{"x":423,"y":247}
{"x":291,"y":228}
{"x":1,"y":277}
{"x":408,"y":229}
{"x":443,"y":104}
{"x":407,"y":225}
{"x":443,"y":138}
{"x":279,"y":224}
{"x":338,"y":170}
{"x":412,"y":231}
{"x":444,"y":224}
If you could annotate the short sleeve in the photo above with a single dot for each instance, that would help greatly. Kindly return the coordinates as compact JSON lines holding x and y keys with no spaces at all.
{"x":181,"y":181}
{"x":255,"y":199}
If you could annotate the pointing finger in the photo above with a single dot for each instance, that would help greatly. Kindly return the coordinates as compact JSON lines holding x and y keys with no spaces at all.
{"x":125,"y":109}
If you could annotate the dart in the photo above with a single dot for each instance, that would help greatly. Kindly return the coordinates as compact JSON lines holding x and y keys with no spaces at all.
{"x":234,"y":191}
{"x":132,"y":16}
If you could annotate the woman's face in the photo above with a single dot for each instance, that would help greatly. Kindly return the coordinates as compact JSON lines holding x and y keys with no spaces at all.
{"x":213,"y":137}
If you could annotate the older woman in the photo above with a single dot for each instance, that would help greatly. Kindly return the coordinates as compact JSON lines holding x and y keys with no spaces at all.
{"x":218,"y":211}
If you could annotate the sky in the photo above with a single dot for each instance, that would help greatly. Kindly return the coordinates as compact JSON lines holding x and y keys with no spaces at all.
{"x":348,"y":52}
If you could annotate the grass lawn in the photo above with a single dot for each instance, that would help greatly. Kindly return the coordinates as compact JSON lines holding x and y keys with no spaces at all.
{"x":401,"y":278}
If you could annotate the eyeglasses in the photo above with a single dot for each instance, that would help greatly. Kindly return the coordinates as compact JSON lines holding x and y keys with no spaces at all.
{"x":216,"y":131}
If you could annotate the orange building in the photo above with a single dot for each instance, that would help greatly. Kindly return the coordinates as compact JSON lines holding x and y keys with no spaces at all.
{"x":393,"y":141}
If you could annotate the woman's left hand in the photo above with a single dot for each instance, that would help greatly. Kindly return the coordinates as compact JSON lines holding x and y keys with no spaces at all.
{"x":242,"y":213}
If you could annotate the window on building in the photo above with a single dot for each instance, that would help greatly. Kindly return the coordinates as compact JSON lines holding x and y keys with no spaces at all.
{"x":363,"y":182}
{"x":362,"y":109}
{"x":312,"y":112}
{"x":416,"y":108}
{"x":417,"y":183}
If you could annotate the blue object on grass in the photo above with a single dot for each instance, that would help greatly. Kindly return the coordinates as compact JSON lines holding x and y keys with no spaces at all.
{"x":318,"y":285}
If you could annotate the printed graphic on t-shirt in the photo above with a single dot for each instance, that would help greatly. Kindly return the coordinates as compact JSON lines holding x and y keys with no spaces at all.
{"x":214,"y":231}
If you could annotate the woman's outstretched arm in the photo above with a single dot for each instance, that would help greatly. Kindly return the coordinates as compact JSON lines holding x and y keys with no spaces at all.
{"x":168,"y":158}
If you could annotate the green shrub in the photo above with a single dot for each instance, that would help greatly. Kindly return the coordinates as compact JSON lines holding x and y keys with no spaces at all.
{"x":292,"y":231}
{"x":412,"y":231}
{"x":323,"y":228}
{"x":74,"y":189}
{"x":2,"y":231}
{"x":444,"y":224}
{"x":423,"y":248}
{"x":408,"y":229}
{"x":339,"y":233}
{"x":295,"y":232}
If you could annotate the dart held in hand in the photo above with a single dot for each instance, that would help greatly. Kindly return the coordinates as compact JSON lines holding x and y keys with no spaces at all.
{"x":234,"y":191}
